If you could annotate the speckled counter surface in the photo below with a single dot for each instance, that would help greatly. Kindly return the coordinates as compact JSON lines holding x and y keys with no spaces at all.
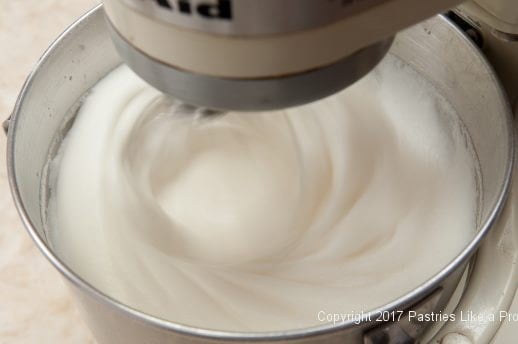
{"x":35,"y":307}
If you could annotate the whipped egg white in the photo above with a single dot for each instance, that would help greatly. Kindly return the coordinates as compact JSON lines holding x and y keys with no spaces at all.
{"x":259,"y":221}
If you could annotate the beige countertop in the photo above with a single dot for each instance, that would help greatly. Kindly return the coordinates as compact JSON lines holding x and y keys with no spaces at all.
{"x":35,"y":307}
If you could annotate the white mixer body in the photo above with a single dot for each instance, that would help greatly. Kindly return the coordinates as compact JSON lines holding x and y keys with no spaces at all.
{"x":247,"y":48}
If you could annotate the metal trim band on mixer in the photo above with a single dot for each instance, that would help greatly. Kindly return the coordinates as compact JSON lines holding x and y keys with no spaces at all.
{"x":250,"y":94}
{"x":249,"y":17}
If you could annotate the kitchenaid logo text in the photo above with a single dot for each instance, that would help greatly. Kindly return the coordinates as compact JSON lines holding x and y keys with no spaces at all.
{"x":219,"y":9}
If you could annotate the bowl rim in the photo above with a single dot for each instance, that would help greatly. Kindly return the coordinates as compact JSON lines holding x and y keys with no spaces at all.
{"x":404,"y":301}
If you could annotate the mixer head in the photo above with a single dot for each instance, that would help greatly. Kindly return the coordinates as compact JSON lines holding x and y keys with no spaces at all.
{"x":253,"y":55}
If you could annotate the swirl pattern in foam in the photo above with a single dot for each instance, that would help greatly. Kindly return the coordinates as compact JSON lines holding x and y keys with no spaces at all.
{"x":256,"y":222}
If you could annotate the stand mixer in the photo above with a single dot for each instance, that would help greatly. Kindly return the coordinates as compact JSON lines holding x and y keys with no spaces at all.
{"x":245,"y":55}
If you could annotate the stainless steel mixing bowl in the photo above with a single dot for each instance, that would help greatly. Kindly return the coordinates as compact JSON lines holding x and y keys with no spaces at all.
{"x":84,"y":54}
